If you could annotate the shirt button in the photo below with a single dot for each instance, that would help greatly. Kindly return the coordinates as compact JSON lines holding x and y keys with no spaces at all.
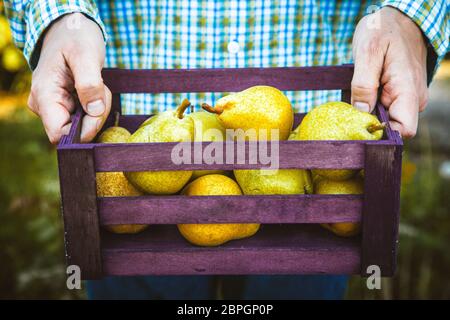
{"x":233,"y":47}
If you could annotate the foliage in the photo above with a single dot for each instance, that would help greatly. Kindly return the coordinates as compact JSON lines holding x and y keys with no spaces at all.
{"x":424,"y":246}
{"x":31,"y":237}
{"x":14,"y":73}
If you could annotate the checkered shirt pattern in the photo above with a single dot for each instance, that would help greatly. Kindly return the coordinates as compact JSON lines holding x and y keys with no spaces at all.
{"x":169,"y":34}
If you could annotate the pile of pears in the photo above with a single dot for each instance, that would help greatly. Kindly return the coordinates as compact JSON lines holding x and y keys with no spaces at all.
{"x":261,"y":108}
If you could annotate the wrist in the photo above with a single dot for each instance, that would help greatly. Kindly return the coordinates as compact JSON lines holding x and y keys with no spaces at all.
{"x":72,"y":36}
{"x":40,"y":19}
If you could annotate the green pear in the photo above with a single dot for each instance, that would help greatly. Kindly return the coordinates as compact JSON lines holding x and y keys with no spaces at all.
{"x":259,"y":108}
{"x":338,"y":121}
{"x":114,"y":184}
{"x":283,"y":181}
{"x":353,"y":185}
{"x":114,"y":134}
{"x":168,"y":126}
{"x":207,"y":128}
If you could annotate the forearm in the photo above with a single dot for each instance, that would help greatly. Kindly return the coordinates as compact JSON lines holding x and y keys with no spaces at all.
{"x":433,"y":18}
{"x":30,"y":19}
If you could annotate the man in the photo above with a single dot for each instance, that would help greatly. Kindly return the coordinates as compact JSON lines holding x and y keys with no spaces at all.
{"x":395,"y":50}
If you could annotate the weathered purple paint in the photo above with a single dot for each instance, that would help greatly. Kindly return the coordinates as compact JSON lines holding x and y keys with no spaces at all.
{"x":293,"y":154}
{"x":227,"y":80}
{"x":381,"y":208}
{"x":79,"y":207}
{"x":275,"y":249}
{"x":390,"y":134}
{"x":226,"y":209}
{"x":75,"y":129}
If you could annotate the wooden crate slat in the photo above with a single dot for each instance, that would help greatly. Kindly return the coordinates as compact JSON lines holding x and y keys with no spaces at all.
{"x":227,"y":79}
{"x":223,"y":209}
{"x":275,"y":249}
{"x":75,"y":129}
{"x":79,"y":207}
{"x":293,"y":154}
{"x":383,"y":116}
{"x":381,"y":208}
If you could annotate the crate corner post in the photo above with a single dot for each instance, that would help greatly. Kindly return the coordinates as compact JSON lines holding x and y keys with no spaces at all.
{"x":381,"y":207}
{"x":79,"y":210}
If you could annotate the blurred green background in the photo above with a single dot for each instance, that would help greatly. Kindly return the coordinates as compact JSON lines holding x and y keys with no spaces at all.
{"x":31,"y":234}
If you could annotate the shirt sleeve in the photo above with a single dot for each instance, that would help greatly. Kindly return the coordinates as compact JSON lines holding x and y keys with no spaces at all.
{"x":432,"y":17}
{"x":29,"y":20}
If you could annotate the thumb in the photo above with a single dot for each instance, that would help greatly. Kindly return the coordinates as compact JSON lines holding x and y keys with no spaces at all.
{"x":366,"y":77}
{"x":94,"y":96}
{"x":89,"y":85}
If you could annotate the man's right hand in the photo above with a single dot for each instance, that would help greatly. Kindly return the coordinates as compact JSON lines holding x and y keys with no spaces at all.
{"x":70,"y":62}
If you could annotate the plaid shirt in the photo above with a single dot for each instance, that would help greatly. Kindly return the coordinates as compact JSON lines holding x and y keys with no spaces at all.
{"x":217,"y":34}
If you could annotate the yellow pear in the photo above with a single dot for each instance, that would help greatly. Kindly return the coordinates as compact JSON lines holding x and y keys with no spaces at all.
{"x":207,"y":128}
{"x":338,"y":121}
{"x":353,"y":185}
{"x":114,"y":184}
{"x":168,"y":126}
{"x":214,"y":234}
{"x":260,"y":108}
{"x":283,"y":181}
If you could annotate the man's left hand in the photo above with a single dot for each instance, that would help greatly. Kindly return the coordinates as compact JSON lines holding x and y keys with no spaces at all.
{"x":391,"y":55}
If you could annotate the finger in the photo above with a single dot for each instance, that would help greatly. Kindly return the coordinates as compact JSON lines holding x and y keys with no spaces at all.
{"x":404,"y":115}
{"x":53,"y":109}
{"x":49,"y":92}
{"x":368,"y":59}
{"x":68,"y":100}
{"x":54,"y":117}
{"x":66,"y":129}
{"x":88,"y":82}
{"x":92,"y":125}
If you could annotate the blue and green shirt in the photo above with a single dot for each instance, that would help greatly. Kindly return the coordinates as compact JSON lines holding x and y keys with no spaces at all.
{"x":219,"y":34}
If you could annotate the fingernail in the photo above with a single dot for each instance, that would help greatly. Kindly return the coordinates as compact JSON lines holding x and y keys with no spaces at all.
{"x":362,"y":106}
{"x":95,"y":108}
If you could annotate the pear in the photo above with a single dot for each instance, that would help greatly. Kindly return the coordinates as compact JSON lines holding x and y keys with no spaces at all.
{"x":260,"y":108}
{"x":284,"y":181}
{"x":214,"y":234}
{"x":114,"y":184}
{"x":207,"y":128}
{"x":168,"y":126}
{"x":338,"y":121}
{"x":354,"y":185}
{"x":114,"y":134}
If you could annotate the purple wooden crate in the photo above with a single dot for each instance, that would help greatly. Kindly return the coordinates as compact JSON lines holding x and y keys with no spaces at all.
{"x":288,"y":237}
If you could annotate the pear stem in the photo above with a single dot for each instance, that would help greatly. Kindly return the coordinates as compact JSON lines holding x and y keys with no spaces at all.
{"x":182,"y":108}
{"x":211,"y":109}
{"x":375,"y":127}
{"x":116,"y":119}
